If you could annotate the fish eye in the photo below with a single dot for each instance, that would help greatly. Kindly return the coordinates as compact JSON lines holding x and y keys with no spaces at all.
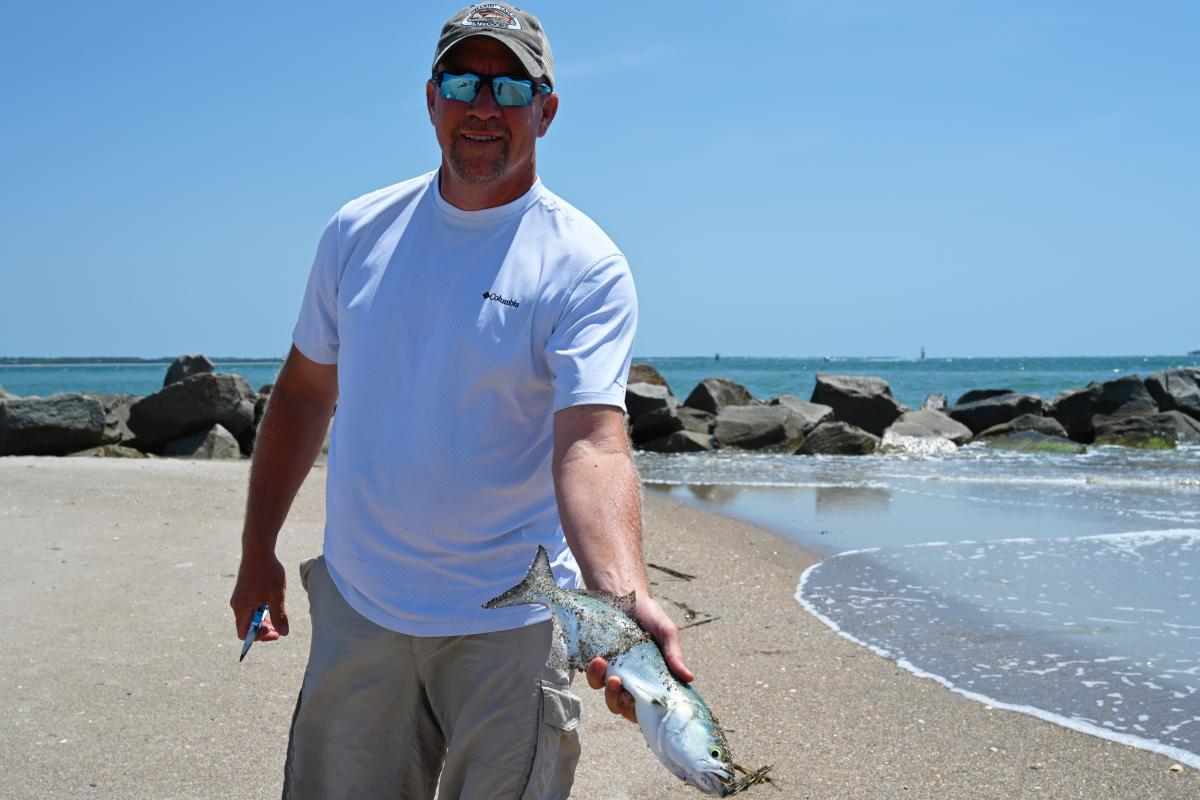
{"x":717,"y":754}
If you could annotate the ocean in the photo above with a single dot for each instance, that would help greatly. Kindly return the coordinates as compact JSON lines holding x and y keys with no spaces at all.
{"x":1066,"y":587}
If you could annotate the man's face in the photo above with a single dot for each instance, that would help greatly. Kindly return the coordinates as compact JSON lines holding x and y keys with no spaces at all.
{"x":482,"y":141}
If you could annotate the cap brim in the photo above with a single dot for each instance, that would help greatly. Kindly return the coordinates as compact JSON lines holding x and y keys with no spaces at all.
{"x":523,"y":55}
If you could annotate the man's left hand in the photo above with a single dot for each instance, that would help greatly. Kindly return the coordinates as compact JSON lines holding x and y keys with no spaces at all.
{"x":664,"y":632}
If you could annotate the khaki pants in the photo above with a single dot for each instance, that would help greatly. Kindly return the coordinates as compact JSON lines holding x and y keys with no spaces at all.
{"x":381,"y":714}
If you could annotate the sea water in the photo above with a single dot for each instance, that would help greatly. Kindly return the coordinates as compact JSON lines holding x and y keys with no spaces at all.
{"x":1062,"y":586}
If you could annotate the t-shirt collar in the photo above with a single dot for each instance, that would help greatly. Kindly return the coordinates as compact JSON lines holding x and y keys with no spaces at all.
{"x":484,"y":215}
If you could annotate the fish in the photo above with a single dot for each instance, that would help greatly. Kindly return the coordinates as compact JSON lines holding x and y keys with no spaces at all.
{"x":677,"y":724}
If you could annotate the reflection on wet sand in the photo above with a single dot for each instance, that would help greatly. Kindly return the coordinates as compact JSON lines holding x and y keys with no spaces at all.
{"x":857,"y":498}
{"x":714,"y":492}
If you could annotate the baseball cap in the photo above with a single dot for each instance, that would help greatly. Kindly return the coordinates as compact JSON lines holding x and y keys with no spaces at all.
{"x":519,"y":31}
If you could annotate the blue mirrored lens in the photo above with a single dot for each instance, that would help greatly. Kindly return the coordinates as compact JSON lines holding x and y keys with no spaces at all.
{"x":460,"y":87}
{"x":512,"y":92}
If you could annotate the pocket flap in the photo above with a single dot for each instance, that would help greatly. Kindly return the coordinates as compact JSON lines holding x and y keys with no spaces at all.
{"x":560,"y":709}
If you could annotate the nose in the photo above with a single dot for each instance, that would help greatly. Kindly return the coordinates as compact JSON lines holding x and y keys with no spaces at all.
{"x":484,"y":106}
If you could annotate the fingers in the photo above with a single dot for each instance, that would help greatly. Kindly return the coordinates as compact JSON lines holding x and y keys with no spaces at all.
{"x":595,"y":673}
{"x":672,"y":649}
{"x":618,"y":700}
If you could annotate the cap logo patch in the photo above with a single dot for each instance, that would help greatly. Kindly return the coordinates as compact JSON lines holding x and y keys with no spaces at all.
{"x":492,"y":15}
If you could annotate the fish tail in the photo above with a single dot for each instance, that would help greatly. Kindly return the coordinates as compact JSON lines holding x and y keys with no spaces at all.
{"x":536,"y":588}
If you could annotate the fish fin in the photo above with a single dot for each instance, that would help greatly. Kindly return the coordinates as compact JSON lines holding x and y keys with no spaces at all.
{"x":625,"y":603}
{"x":535,"y":589}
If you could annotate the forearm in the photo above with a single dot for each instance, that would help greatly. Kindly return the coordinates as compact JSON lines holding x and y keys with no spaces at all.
{"x":289,"y":439}
{"x":599,"y":502}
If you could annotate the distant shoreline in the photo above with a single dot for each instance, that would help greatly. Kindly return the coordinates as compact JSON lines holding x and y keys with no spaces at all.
{"x":29,"y":361}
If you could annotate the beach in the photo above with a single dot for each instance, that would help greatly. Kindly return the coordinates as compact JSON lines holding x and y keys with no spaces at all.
{"x":121,"y":679}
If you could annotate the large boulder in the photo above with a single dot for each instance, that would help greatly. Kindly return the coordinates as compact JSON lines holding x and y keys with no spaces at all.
{"x":975,"y":395}
{"x":862,"y":401}
{"x":216,"y":442}
{"x":645,"y":373}
{"x":838,"y":438}
{"x":1123,"y":396}
{"x":1047,"y":426}
{"x":927,"y":423}
{"x":805,"y":415}
{"x":935,"y":401}
{"x":681,"y":442}
{"x":116,"y":417}
{"x":187,"y":365}
{"x":50,"y":426}
{"x":1176,"y":390}
{"x":695,"y":420}
{"x":755,"y":427}
{"x":111,"y":451}
{"x":641,"y":398}
{"x":1148,"y":431}
{"x":979,"y":415}
{"x":714,"y":394}
{"x":654,"y":425}
{"x":192,"y":405}
{"x":6,"y":395}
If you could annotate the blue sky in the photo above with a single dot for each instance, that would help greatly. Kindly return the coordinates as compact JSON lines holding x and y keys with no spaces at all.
{"x":786,"y":179}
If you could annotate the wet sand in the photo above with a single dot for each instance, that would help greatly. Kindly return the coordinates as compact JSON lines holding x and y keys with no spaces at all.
{"x":119,"y":675}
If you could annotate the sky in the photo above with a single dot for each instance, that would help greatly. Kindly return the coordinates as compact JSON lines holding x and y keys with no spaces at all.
{"x":786,"y":179}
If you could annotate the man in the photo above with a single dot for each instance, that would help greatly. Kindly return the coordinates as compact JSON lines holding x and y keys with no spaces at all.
{"x":474,"y":331}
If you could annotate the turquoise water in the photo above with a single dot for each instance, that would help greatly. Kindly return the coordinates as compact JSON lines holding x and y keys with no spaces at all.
{"x":911,"y":380}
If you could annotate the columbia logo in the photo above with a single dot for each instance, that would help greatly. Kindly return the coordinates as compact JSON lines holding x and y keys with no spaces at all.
{"x":500,"y":299}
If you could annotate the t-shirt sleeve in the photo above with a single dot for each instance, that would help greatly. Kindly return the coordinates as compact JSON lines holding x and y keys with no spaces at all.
{"x":592,"y":344}
{"x":316,"y":331}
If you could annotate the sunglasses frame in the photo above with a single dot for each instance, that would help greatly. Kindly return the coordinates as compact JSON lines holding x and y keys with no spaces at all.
{"x":439,"y":79}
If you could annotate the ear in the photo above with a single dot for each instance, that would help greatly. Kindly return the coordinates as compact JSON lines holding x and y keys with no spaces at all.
{"x":549,"y":109}
{"x":430,"y":98}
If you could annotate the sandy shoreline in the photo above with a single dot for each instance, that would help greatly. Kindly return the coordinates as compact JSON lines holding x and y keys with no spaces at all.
{"x":120,"y":675}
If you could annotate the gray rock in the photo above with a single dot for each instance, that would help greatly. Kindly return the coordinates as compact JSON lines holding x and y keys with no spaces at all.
{"x":1047,"y":426}
{"x":927,"y":423}
{"x":695,"y":420}
{"x":266,"y":388}
{"x":754,"y":427}
{"x":935,"y":402}
{"x":995,"y":410}
{"x":655,"y":424}
{"x":641,"y":398}
{"x":1176,"y":390}
{"x":975,"y":395}
{"x":862,"y":401}
{"x":116,"y":417}
{"x":714,"y":394}
{"x":184,"y":366}
{"x":192,"y":405}
{"x":838,"y":438}
{"x":1075,"y":410}
{"x":644,"y":373}
{"x":214,"y":443}
{"x":1148,"y":431}
{"x":6,"y":395}
{"x":50,"y":426}
{"x":111,"y":451}
{"x":681,"y":442}
{"x":805,"y":415}
{"x":1034,"y":442}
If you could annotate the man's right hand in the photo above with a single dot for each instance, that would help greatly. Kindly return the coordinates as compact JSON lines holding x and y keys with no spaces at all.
{"x":260,"y":580}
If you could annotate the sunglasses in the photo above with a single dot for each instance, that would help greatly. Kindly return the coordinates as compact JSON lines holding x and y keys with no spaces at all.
{"x":507,"y":90}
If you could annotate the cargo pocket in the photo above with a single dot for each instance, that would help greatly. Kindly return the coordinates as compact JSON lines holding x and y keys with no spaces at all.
{"x":553,"y":769}
{"x":306,"y":568}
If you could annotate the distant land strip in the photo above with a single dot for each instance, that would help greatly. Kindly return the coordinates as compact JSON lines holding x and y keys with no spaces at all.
{"x":30,"y":360}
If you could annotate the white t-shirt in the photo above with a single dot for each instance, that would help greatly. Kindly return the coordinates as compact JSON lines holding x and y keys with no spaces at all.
{"x":457,"y":335}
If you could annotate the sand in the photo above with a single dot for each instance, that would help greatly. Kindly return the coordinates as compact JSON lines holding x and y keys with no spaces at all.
{"x":119,"y":675}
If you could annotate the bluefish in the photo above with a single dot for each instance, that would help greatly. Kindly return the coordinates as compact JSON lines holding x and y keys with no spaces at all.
{"x":676,"y":722}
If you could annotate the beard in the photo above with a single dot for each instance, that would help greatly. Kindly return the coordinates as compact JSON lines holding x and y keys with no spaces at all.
{"x":477,"y":169}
